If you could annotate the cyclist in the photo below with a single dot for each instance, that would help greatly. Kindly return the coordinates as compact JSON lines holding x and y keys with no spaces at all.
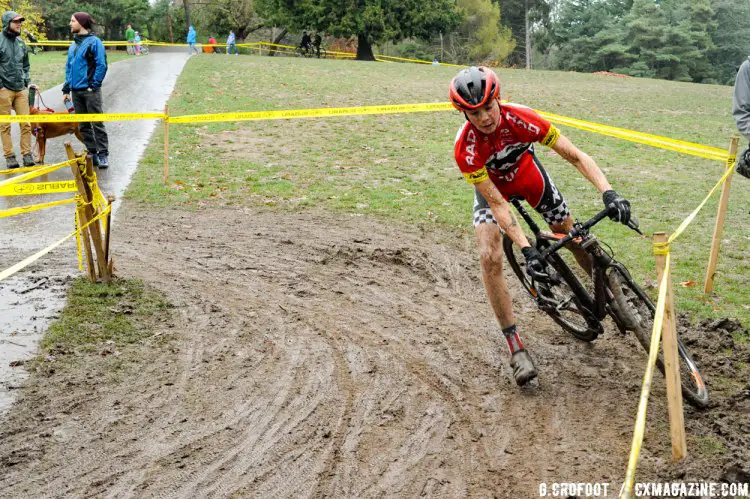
{"x":316,"y":41}
{"x":494,"y":151}
{"x":305,"y":43}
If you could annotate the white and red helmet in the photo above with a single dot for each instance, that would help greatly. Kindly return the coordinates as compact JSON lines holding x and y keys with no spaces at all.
{"x":473,"y":88}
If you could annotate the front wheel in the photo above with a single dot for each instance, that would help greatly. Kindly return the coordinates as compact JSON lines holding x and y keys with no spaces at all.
{"x":562,"y":301}
{"x":636,"y":311}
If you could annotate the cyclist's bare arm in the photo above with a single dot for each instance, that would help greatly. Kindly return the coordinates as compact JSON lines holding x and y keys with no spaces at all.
{"x":502,"y":212}
{"x":582,"y":161}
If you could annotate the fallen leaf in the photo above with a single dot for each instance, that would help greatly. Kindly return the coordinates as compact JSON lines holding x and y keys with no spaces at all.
{"x":688,"y":284}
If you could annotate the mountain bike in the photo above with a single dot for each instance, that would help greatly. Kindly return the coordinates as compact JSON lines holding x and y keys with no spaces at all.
{"x":580,"y":308}
{"x":311,"y":51}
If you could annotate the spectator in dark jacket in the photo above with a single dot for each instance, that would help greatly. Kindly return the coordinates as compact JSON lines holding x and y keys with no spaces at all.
{"x":14,"y":87}
{"x":84,"y":74}
{"x":741,"y":113}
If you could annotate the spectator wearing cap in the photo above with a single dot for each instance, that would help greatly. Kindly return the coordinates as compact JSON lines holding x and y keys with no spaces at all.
{"x":84,"y":75}
{"x":14,"y":87}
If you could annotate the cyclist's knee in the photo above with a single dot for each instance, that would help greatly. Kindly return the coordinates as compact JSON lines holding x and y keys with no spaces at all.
{"x":563,"y":227}
{"x":490,"y":247}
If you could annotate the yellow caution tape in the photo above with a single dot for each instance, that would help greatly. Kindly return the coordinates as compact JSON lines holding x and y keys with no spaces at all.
{"x":640,"y":422}
{"x":418,"y":61}
{"x":78,"y":118}
{"x":690,"y":217}
{"x":37,"y":173}
{"x":630,"y":135}
{"x":36,"y":256}
{"x":311,"y":113}
{"x":21,"y":170}
{"x":661,"y":248}
{"x":38,"y":188}
{"x":11,"y":212}
{"x":640,"y":137}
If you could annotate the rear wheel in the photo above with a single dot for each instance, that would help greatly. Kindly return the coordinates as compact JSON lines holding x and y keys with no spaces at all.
{"x":562,"y":301}
{"x":636,"y":311}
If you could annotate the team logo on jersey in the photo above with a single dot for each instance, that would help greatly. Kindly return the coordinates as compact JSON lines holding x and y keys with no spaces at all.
{"x":519,"y":122}
{"x":471,"y":140}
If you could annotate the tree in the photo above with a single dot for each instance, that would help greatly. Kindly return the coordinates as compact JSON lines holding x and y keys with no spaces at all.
{"x":372,"y":21}
{"x":488,"y":39}
{"x":224,"y":15}
{"x":731,"y":38}
{"x":110,"y":16}
{"x":514,"y":15}
{"x":590,"y":35}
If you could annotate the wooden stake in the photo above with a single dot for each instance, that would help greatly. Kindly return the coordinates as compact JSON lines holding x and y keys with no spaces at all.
{"x":166,"y":143}
{"x":671,"y":359}
{"x":82,"y":220}
{"x":721,"y":214}
{"x":90,"y":213}
{"x":110,"y":200}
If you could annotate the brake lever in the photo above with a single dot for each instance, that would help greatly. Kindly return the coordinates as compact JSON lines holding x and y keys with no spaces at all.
{"x":633,"y":224}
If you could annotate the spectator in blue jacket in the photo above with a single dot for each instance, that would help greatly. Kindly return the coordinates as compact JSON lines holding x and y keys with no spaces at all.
{"x":191,"y":37}
{"x":231,"y":43}
{"x":84,"y":74}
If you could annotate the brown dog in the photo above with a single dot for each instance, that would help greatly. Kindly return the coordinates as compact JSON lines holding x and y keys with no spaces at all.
{"x":44,"y":131}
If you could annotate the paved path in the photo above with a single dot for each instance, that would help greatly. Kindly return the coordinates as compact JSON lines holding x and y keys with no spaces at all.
{"x":140,"y":84}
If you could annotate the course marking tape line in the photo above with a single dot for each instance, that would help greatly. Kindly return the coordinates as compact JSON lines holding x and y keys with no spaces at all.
{"x":420,"y":61}
{"x":21,"y":170}
{"x":686,"y":222}
{"x":36,"y":256}
{"x":311,"y":113}
{"x":78,"y":118}
{"x":641,"y":137}
{"x":38,"y":188}
{"x":36,"y":173}
{"x":11,"y":212}
{"x":640,"y":422}
{"x":693,"y":149}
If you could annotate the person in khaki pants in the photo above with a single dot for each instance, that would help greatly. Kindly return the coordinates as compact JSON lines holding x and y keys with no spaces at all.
{"x":14,"y":86}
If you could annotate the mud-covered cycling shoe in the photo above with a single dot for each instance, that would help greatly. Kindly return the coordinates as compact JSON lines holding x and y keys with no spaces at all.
{"x":523,"y":367}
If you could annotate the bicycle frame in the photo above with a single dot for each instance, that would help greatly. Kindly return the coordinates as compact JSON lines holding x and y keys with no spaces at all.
{"x":549,"y":243}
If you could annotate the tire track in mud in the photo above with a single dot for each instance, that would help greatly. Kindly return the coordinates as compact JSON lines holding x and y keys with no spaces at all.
{"x":307,"y":360}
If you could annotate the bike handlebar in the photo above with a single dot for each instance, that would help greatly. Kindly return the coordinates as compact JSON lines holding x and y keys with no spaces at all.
{"x":578,"y":229}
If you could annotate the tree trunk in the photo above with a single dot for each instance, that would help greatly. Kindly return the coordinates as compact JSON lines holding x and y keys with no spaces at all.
{"x":187,"y":13}
{"x":528,"y":35}
{"x":276,"y":39}
{"x":169,"y":25}
{"x":364,"y":49}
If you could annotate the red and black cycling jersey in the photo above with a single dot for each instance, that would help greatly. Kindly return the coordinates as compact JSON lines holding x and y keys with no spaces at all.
{"x":500,"y":155}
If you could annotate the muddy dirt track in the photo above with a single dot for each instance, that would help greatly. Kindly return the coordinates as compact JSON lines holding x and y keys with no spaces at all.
{"x":321,"y":355}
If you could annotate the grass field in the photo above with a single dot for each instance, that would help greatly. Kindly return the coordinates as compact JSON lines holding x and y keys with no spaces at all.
{"x":48,"y":68}
{"x":401,"y":166}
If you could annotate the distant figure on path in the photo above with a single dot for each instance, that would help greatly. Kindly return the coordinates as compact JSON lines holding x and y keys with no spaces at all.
{"x":191,"y":37}
{"x":130,"y":36}
{"x":231,"y":43}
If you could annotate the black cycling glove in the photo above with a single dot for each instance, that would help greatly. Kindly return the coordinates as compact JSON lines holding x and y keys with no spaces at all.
{"x":535,"y":266}
{"x":618,"y":205}
{"x":743,"y":163}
